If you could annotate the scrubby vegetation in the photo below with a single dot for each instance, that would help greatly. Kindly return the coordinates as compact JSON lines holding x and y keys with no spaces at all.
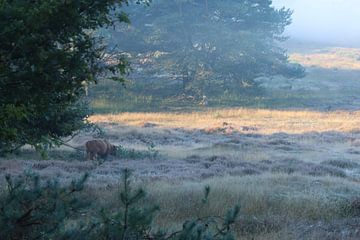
{"x":296,"y":184}
{"x":151,"y":152}
{"x":230,"y":135}
{"x":273,"y":206}
{"x":31,"y":209}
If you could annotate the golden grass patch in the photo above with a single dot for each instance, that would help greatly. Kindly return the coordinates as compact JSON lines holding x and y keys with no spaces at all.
{"x":244,"y":120}
{"x":340,"y":58}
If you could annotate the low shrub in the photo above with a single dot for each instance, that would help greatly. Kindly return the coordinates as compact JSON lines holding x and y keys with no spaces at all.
{"x":129,"y":153}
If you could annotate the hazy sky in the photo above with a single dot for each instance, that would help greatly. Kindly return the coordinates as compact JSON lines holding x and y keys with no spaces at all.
{"x":325,"y":20}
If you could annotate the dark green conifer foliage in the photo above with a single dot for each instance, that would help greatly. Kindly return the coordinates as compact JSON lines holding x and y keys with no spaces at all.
{"x":130,"y":220}
{"x":33,"y":210}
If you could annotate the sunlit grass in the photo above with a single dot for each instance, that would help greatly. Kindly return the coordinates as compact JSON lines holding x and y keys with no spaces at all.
{"x":261,"y":120}
{"x":340,"y":58}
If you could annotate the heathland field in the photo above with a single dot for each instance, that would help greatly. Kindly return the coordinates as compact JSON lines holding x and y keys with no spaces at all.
{"x":291,"y":161}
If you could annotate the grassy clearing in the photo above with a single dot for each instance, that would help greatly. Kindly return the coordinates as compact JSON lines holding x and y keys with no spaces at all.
{"x":340,"y":58}
{"x":283,"y":182}
{"x":295,"y":173}
{"x":259,"y":120}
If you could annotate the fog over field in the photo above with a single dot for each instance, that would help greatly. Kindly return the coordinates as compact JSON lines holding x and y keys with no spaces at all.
{"x":328,"y":21}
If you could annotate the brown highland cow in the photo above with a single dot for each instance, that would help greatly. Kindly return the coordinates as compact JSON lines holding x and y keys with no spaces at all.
{"x":99,"y":148}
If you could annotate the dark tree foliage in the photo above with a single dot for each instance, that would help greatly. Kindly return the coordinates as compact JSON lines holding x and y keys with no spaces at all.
{"x":49,"y":51}
{"x":212,"y":45}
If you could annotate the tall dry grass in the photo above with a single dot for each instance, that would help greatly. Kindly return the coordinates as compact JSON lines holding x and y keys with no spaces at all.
{"x":269,"y":203}
{"x":289,"y":196}
{"x":340,"y":58}
{"x":260,"y":120}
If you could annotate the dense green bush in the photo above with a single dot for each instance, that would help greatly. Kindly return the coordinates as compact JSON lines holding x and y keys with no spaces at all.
{"x":49,"y":53}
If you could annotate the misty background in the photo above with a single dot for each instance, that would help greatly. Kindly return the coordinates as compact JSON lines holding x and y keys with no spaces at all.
{"x":332,"y":22}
